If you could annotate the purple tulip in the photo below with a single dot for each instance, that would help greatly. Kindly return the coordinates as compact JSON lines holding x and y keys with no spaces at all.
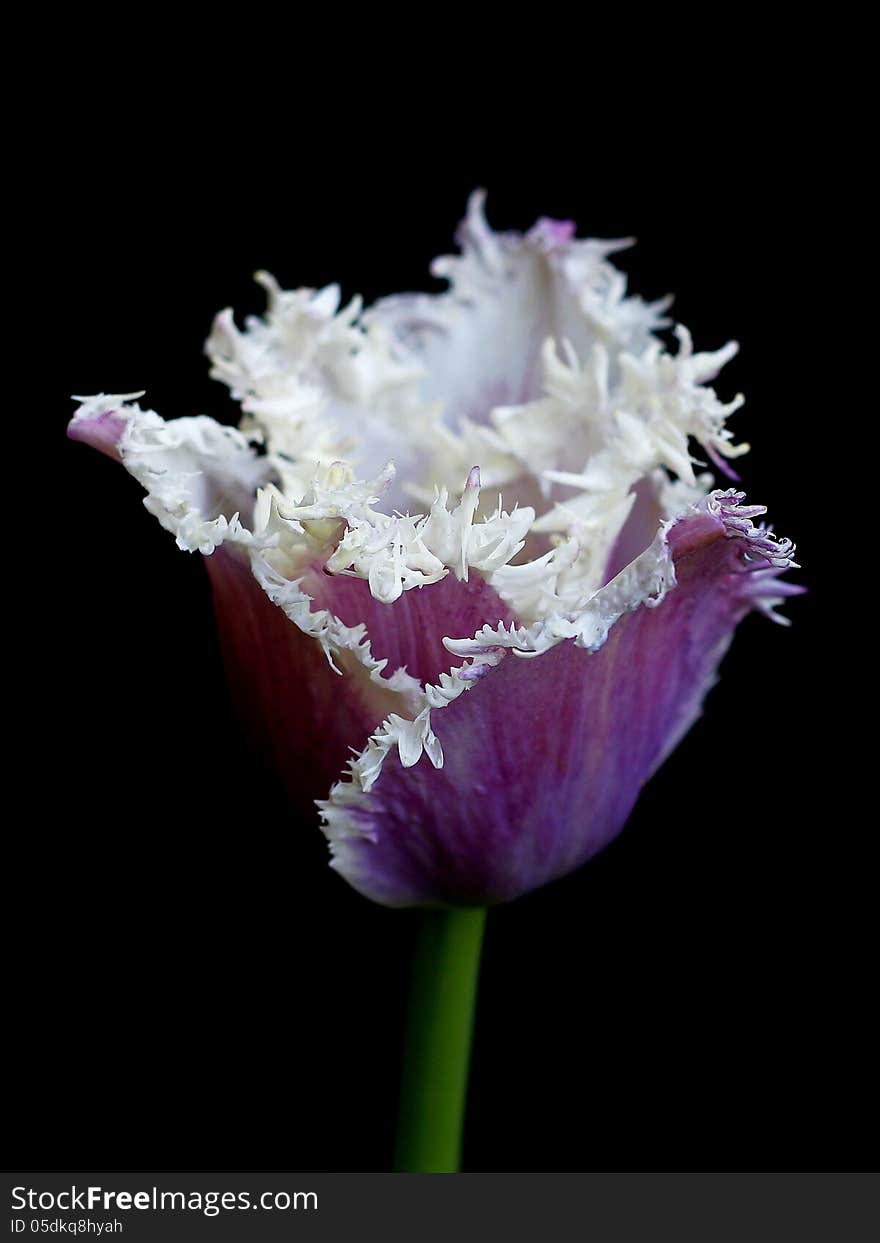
{"x":508,"y":673}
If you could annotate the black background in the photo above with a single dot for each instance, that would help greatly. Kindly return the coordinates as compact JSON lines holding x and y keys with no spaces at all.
{"x":189,"y":985}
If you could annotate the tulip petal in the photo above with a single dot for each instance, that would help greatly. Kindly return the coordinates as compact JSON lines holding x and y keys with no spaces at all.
{"x":315,"y":384}
{"x":283,"y":663}
{"x":286,"y":691}
{"x":409,"y":633}
{"x":101,"y":422}
{"x":544,"y":758}
{"x":480,"y":343}
{"x":200,"y":476}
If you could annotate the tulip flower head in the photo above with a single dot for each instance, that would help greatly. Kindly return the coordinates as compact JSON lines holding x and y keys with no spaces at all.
{"x":470,"y":588}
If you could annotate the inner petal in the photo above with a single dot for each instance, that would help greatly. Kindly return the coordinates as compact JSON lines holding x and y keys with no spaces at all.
{"x":639,"y":529}
{"x":220,"y":491}
{"x":410,"y":632}
{"x":484,"y":351}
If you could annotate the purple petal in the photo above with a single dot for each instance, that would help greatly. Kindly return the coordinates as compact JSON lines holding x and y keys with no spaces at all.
{"x":304,"y":716}
{"x":544,"y":758}
{"x":409,"y":633}
{"x":638,"y":530}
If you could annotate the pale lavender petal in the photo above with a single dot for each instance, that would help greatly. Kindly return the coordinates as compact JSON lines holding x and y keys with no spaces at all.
{"x":480,"y":342}
{"x":544,"y":758}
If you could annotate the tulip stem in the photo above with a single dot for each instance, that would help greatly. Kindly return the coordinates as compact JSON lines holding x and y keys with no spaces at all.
{"x":439,"y":1030}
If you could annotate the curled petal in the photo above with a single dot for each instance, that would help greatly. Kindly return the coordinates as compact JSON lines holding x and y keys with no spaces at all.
{"x":200,"y":476}
{"x":100,"y":422}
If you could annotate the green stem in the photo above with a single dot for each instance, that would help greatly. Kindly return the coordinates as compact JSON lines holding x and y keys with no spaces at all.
{"x":438,"y":1041}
